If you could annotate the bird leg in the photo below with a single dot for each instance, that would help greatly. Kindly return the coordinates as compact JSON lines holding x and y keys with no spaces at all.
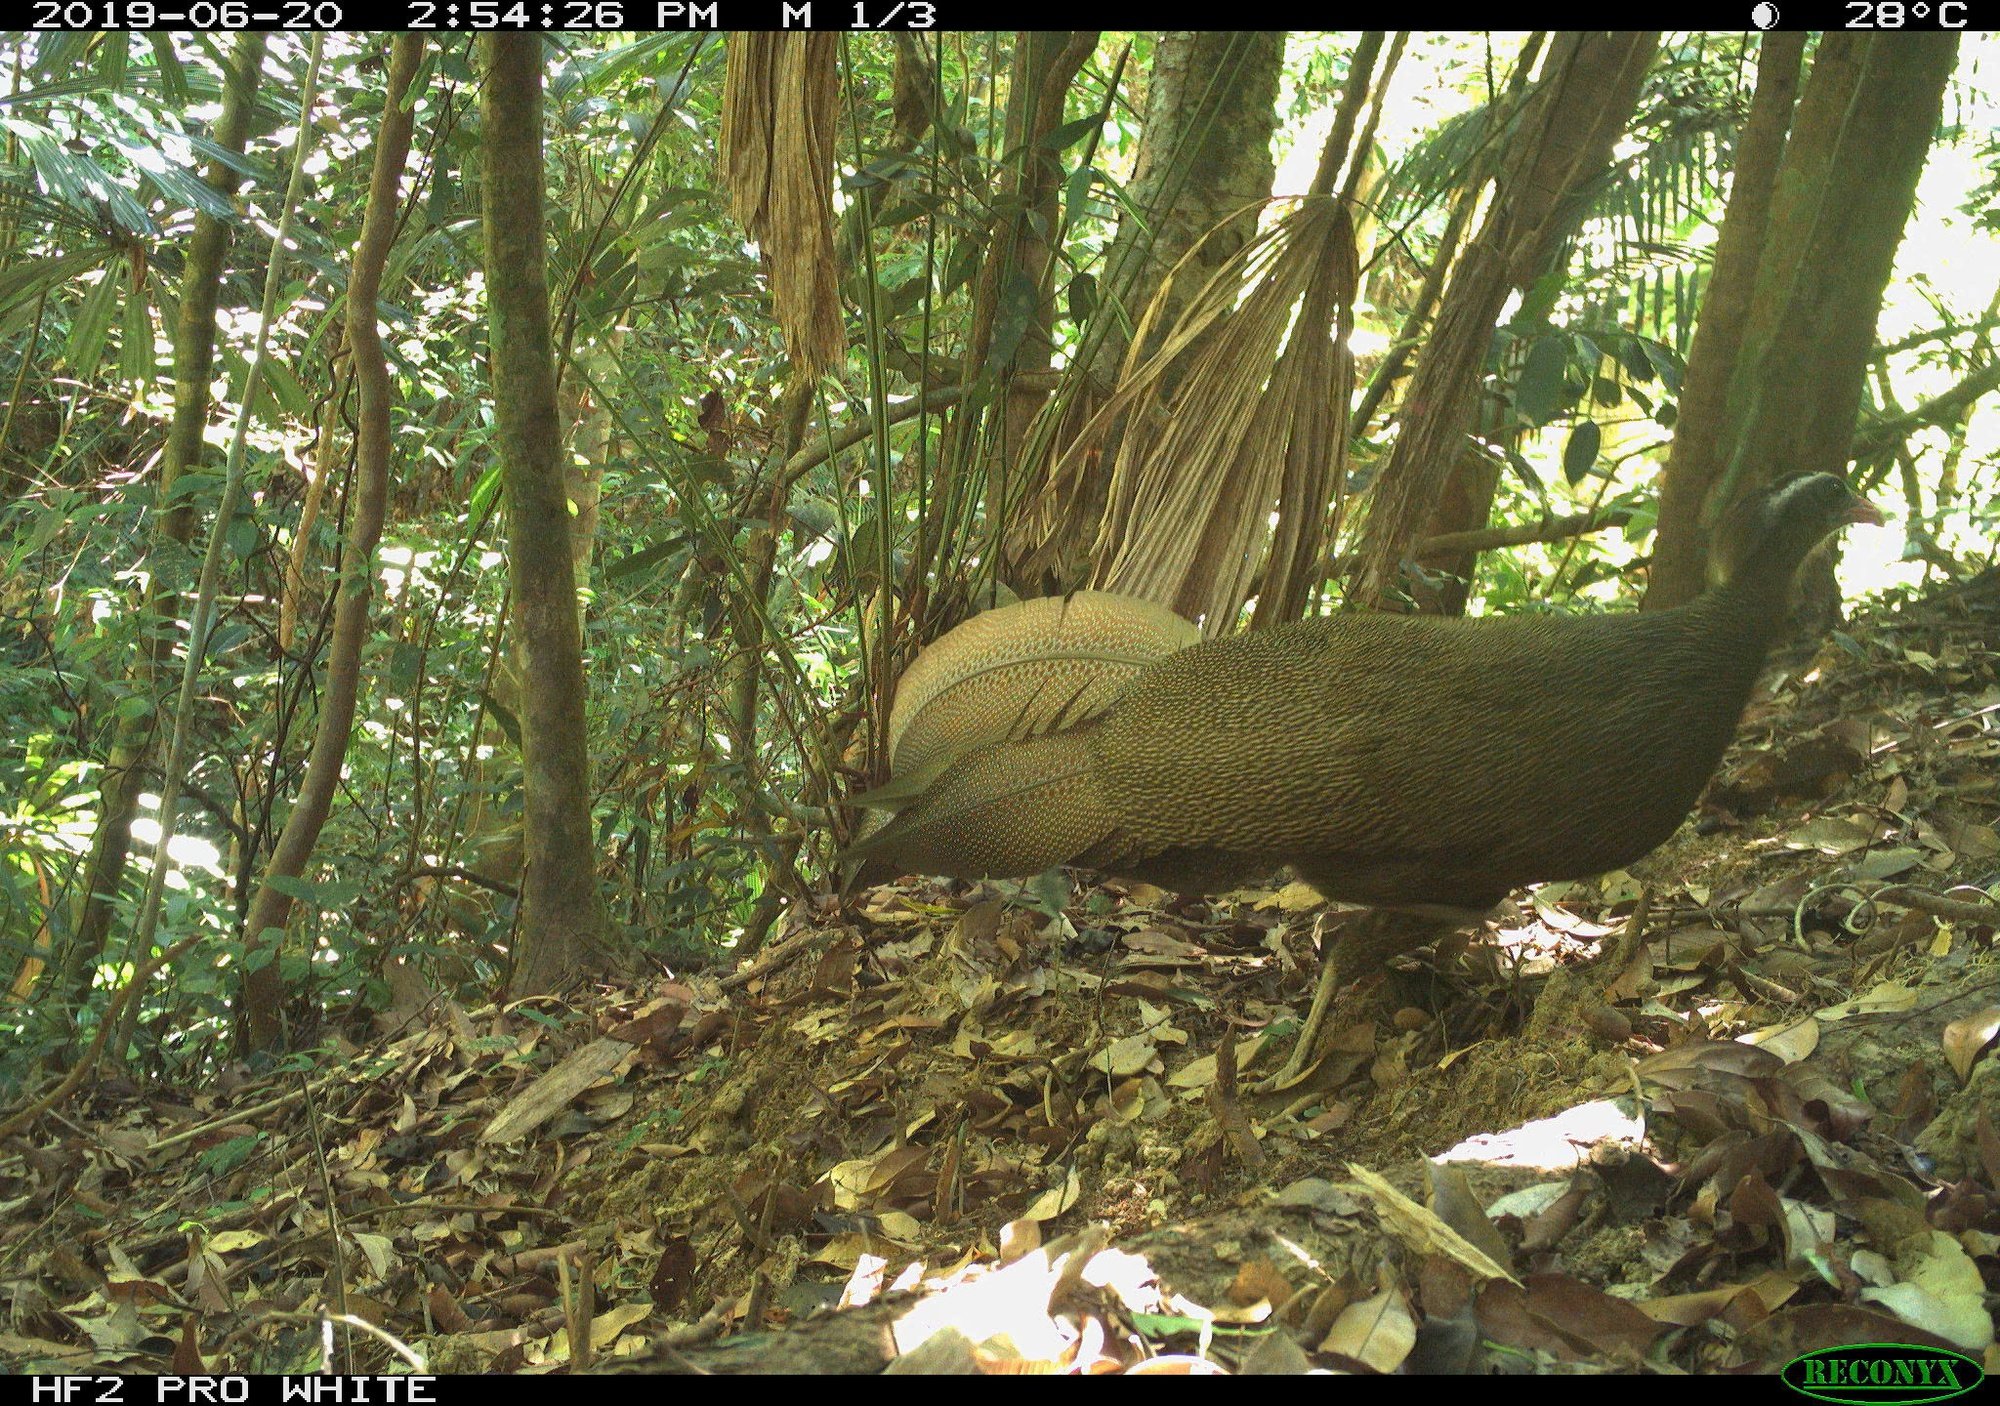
{"x":1306,"y":1043}
{"x":1362,"y":946}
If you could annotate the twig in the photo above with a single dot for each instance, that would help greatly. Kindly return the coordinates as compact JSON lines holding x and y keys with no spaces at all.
{"x":776,"y":957}
{"x":1229,"y":1115}
{"x":1938,"y":906}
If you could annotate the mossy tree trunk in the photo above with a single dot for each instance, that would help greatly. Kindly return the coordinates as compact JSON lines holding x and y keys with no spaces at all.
{"x":1589,"y":86}
{"x":563,"y":924}
{"x":1680,"y":547}
{"x":1204,"y":157}
{"x":1843,"y":192}
{"x":173,"y":527}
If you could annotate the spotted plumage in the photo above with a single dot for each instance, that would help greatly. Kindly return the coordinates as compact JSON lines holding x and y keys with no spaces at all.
{"x":1391,"y":760}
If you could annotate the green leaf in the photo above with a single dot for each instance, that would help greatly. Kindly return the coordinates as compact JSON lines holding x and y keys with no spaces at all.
{"x":1540,"y":300}
{"x":1051,"y":890}
{"x":643,"y":558}
{"x":331,"y":895}
{"x":92,"y":322}
{"x":266,"y":950}
{"x":1580,"y":453}
{"x":242,"y":536}
{"x":504,"y":716}
{"x":1540,"y":391}
{"x":1637,"y":364}
{"x":484,"y":491}
{"x":1076,"y":189}
{"x":291,"y":887}
{"x":1081,"y":296}
{"x":1526,"y":470}
{"x":226,"y":1157}
{"x":1070,"y":133}
{"x":404,"y":660}
{"x":135,"y":343}
{"x":173,"y":82}
{"x":1666,"y":363}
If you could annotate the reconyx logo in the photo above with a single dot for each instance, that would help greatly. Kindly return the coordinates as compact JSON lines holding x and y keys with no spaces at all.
{"x":1870,"y":1373}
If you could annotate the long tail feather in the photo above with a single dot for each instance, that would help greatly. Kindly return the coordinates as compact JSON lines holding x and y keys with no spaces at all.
{"x":1003,"y":811}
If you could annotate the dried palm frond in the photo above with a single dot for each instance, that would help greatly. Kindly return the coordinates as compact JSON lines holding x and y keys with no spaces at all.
{"x":1235,"y":428}
{"x":778,"y":116}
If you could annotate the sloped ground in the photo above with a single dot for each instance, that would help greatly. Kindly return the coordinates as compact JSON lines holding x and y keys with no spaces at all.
{"x":1764,"y":1121}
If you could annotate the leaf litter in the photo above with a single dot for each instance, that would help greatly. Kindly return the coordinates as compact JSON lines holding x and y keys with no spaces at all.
{"x":1735,"y":1105}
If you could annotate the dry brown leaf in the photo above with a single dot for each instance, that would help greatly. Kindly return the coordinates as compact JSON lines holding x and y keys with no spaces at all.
{"x":551,"y":1093}
{"x":1418,"y":1228}
{"x":1453,"y":1200}
{"x":1790,"y":1041}
{"x":1965,"y":1037}
{"x":1377,"y":1332}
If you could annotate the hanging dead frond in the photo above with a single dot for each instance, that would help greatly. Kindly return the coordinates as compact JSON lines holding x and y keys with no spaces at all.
{"x":1235,"y":420}
{"x":778,"y":122}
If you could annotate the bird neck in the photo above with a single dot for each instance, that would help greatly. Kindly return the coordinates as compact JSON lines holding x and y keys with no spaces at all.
{"x":1750,"y":611}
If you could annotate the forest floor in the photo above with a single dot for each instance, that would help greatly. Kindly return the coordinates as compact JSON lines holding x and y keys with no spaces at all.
{"x":1731,"y":1107}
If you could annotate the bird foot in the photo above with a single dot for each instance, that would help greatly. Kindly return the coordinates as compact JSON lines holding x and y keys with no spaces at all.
{"x":1306,"y":1053}
{"x":1362,"y":948}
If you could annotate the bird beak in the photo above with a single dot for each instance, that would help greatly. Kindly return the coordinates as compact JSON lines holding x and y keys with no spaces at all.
{"x":1865,"y":511}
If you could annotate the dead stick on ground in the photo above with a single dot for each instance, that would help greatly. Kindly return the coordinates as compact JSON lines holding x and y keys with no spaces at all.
{"x":1938,"y":906}
{"x":1229,"y":1116}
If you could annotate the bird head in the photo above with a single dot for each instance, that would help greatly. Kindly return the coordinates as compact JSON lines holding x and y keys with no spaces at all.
{"x":1766,"y":538}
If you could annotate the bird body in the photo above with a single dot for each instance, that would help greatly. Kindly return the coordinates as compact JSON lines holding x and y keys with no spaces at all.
{"x":1396,"y":761}
{"x":1455,"y":760}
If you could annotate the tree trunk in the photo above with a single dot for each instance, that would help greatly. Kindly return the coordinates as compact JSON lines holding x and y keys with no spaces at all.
{"x":270,"y":910}
{"x":563,"y":925}
{"x":1016,"y":275}
{"x":1465,"y":506}
{"x":1204,"y":158}
{"x":1013,"y":302}
{"x":1845,"y":188}
{"x":194,"y":357}
{"x":1589,"y":86}
{"x":1465,"y":502}
{"x":1680,"y":546}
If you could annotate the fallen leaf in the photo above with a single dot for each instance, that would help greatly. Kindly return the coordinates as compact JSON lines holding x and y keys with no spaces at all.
{"x":1886,"y":863}
{"x":1829,"y":836}
{"x":1884,"y":999}
{"x":1418,"y":1228}
{"x":1941,"y":1292}
{"x":1790,"y":1041}
{"x":1965,"y":1037}
{"x":1378,"y":1332}
{"x":1123,"y":1058}
{"x":1055,"y":1200}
